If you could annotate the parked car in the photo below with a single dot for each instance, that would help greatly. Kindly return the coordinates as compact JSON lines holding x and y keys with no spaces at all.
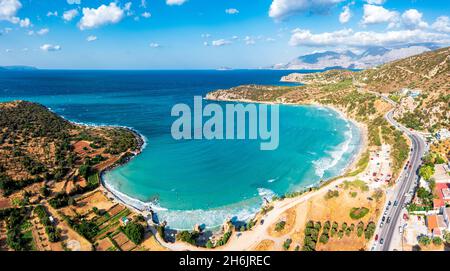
{"x":389,"y":203}
{"x":395,"y":203}
{"x":261,"y":222}
{"x":381,"y":241}
{"x":376,"y":237}
{"x":388,"y":220}
{"x":383,"y":219}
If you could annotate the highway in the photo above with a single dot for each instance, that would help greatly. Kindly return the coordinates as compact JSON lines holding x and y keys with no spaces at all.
{"x":404,"y":184}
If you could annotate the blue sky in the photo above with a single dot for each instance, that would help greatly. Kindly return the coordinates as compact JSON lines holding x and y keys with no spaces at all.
{"x":204,"y":34}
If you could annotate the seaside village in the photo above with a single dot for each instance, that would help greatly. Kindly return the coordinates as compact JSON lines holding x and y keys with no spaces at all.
{"x":427,"y":223}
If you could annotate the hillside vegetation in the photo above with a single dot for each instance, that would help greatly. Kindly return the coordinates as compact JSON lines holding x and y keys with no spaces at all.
{"x":37,"y":146}
{"x":427,"y":73}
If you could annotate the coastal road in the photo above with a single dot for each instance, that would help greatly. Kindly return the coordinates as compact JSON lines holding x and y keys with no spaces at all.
{"x":405,"y":182}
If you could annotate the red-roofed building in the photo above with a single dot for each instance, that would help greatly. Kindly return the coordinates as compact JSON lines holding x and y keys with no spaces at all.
{"x":436,"y":225}
{"x":442,"y":190}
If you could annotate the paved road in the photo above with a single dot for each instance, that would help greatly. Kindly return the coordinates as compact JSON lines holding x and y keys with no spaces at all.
{"x":405,"y":182}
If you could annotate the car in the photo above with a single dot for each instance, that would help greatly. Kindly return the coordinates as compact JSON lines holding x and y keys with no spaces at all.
{"x":395,"y":203}
{"x":261,"y":222}
{"x":381,"y":241}
{"x":383,"y":219}
{"x":376,"y":237}
{"x":388,"y":220}
{"x":381,"y":224}
{"x":400,"y":229}
{"x":389,"y":203}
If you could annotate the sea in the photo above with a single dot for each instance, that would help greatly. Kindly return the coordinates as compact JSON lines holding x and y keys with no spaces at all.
{"x":193,"y":182}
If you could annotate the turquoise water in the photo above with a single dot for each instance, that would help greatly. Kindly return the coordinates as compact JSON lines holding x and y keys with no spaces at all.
{"x":192,"y":182}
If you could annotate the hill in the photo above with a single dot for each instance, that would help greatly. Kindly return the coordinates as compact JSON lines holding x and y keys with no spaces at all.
{"x":371,"y":57}
{"x":39,"y":147}
{"x":420,"y":84}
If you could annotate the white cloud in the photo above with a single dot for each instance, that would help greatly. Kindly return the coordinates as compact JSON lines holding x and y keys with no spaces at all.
{"x":442,"y":24}
{"x":412,"y":19}
{"x":205,"y":36}
{"x":50,"y":47}
{"x":146,"y":14}
{"x":345,"y":15}
{"x":175,"y":2}
{"x":43,"y":31}
{"x":70,"y":14}
{"x":25,"y":23}
{"x":270,"y":40}
{"x":375,"y":2}
{"x":347,"y":37}
{"x":231,"y":11}
{"x":91,"y":38}
{"x":127,"y":8}
{"x":154,"y":45}
{"x":52,"y":13}
{"x":220,"y":42}
{"x":8,"y":50}
{"x":249,"y":40}
{"x":280,"y":9}
{"x":143,"y":4}
{"x":103,"y":15}
{"x":8,"y":10}
{"x":378,"y":14}
{"x":73,"y":2}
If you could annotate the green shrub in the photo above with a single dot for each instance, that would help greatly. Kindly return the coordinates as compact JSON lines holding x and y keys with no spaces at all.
{"x":358,"y":213}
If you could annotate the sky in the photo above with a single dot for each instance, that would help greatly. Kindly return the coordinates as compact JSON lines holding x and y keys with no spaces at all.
{"x":207,"y":34}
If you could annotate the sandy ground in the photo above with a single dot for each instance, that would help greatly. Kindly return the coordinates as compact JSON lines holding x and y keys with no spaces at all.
{"x":152,"y":244}
{"x":69,"y":236}
{"x":93,"y":199}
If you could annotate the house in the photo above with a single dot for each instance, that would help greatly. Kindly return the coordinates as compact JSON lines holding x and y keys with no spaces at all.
{"x":414,"y":93}
{"x":436,"y":225}
{"x":443,"y":134}
{"x":442,"y":190}
{"x":124,"y":220}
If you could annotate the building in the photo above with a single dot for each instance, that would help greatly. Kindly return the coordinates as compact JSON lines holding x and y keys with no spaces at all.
{"x":124,"y":220}
{"x":436,"y":225}
{"x":443,"y":134}
{"x":442,"y":190}
{"x":414,"y":93}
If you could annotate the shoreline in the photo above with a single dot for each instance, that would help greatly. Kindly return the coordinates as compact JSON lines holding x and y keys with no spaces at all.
{"x":145,"y":208}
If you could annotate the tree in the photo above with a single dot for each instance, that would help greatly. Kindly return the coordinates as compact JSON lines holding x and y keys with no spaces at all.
{"x":437,"y":241}
{"x":447,"y":237}
{"x":424,"y":240}
{"x":324,"y":238}
{"x":84,"y":170}
{"x":426,"y":172}
{"x":135,"y":232}
{"x":209,"y":244}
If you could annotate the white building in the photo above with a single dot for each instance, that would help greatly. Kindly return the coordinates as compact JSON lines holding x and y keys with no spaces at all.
{"x":443,"y":134}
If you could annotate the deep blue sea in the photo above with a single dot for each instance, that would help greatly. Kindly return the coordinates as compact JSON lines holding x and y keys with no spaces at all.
{"x":193,"y":182}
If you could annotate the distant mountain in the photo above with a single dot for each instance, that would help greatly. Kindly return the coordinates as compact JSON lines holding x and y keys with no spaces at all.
{"x":17,"y":68}
{"x":371,"y":57}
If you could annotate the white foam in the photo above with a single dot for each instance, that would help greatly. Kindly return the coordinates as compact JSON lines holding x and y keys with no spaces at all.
{"x":326,"y":163}
{"x":133,"y":202}
{"x":272,"y":180}
{"x":214,"y":218}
